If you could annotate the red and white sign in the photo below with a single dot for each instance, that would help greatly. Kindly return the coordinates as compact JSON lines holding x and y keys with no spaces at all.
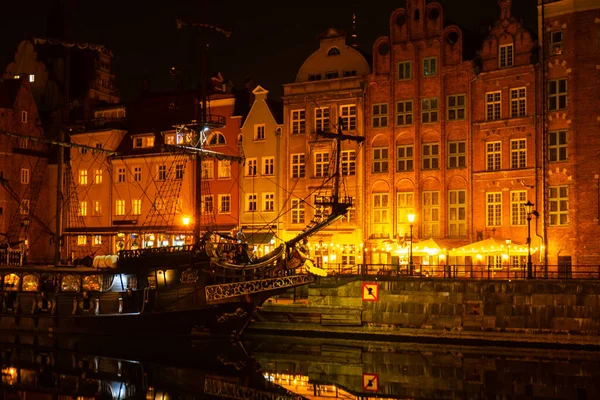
{"x":371,"y":382}
{"x":370,"y":292}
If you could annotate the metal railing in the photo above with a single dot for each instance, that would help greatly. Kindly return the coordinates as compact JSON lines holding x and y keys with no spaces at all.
{"x":455,"y":271}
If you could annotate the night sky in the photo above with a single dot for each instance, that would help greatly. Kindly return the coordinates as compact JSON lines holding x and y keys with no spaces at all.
{"x":270,"y":39}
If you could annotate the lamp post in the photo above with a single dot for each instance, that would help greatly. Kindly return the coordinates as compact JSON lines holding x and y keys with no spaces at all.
{"x":529,"y":209}
{"x":411,"y":265}
{"x":508,"y":243}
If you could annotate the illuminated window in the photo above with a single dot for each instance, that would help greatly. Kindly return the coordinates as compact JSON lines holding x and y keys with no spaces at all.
{"x":298,"y":122}
{"x":97,"y":176}
{"x":518,"y":214}
{"x":268,"y":202}
{"x":81,"y":240}
{"x":97,"y":240}
{"x":83,"y":177}
{"x":224,"y":169}
{"x":97,"y":208}
{"x":506,"y":56}
{"x":404,"y":70}
{"x":380,"y":115}
{"x":348,"y":116}
{"x":557,"y":146}
{"x":259,"y":132}
{"x":251,"y":200}
{"x":136,"y":206}
{"x":404,"y":158}
{"x":457,"y":154}
{"x":251,"y":167}
{"x":350,"y":216}
{"x":208,"y":169}
{"x":380,"y":159}
{"x":224,"y":203}
{"x":430,"y":66}
{"x":298,"y":165}
{"x":456,"y":107}
{"x":297,"y":214}
{"x":457,"y":213}
{"x":493,"y":106}
{"x":556,"y":43}
{"x":493,"y":155}
{"x":321,"y":164}
{"x":348,"y":162}
{"x":429,"y":110}
{"x":83,"y":208}
{"x":120,"y":209}
{"x":31,"y":78}
{"x":518,"y":103}
{"x":431,"y":214}
{"x":494,"y":209}
{"x":380,"y":214}
{"x":24,"y":207}
{"x":559,"y":205}
{"x":431,"y":156}
{"x":268,"y":166}
{"x":518,"y":153}
{"x":25,"y":176}
{"x":404,"y":206}
{"x":557,"y":94}
{"x":404,"y":113}
{"x":322,"y":119}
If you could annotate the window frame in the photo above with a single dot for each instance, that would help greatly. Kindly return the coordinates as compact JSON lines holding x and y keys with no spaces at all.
{"x":428,"y":64}
{"x":456,"y":108}
{"x":506,"y":59}
{"x":456,"y":208}
{"x":429,"y":156}
{"x":430,"y":213}
{"x":322,"y":119}
{"x":251,"y":167}
{"x":518,"y":213}
{"x":493,"y":209}
{"x":259,"y":132}
{"x":224,"y":199}
{"x":404,"y":114}
{"x":558,"y":148}
{"x":493,"y":105}
{"x":518,"y":155}
{"x":268,"y":166}
{"x":518,"y":104}
{"x":406,"y":68}
{"x":348,"y":163}
{"x":348,"y":115}
{"x":428,"y":110}
{"x":298,"y":164}
{"x":321,"y":164}
{"x":457,"y":154}
{"x":381,"y":160}
{"x":556,"y":201}
{"x":405,"y":159}
{"x":298,"y":122}
{"x":493,"y":156}
{"x":381,"y":116}
{"x":558,"y":95}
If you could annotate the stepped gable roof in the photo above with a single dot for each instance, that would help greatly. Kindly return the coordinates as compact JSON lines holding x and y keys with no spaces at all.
{"x":9,"y":88}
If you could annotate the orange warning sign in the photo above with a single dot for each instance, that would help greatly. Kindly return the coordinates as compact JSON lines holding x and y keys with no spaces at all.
{"x":371,"y":382}
{"x":370,"y":292}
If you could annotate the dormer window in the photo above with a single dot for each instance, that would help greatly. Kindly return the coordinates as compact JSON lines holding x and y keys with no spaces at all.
{"x":314,"y":77}
{"x":140,"y":142}
{"x":332,"y":75}
{"x":351,"y":72}
{"x":556,"y":43}
{"x":506,"y":56}
{"x":334,"y":51}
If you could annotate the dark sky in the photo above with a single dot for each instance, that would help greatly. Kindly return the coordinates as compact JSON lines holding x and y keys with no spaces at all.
{"x":270,"y":38}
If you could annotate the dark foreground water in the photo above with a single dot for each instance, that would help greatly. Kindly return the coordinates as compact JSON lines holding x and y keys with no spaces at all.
{"x":45,"y":367}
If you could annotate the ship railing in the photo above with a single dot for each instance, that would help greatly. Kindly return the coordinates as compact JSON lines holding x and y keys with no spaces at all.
{"x":151,"y":251}
{"x":11,"y":257}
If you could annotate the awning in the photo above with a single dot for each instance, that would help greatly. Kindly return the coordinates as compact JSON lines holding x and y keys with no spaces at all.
{"x":430,"y":247}
{"x":491,"y":246}
{"x":259,"y":238}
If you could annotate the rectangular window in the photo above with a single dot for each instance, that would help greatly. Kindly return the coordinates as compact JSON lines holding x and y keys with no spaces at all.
{"x":83,"y":209}
{"x":138,"y":143}
{"x":457,"y":154}
{"x":97,"y":208}
{"x":405,"y":205}
{"x":404,"y":158}
{"x":268,"y":166}
{"x":380,"y":159}
{"x":404,"y":113}
{"x":350,"y":216}
{"x":348,"y":162}
{"x":430,"y":66}
{"x":321,"y":164}
{"x":251,"y":202}
{"x":556,"y":43}
{"x":557,"y":146}
{"x":136,"y":206}
{"x":506,"y":58}
{"x":207,"y":204}
{"x":24,"y":207}
{"x":98,"y":176}
{"x":81,"y":240}
{"x":518,"y":214}
{"x":224,"y":169}
{"x":456,"y":107}
{"x":559,"y":205}
{"x":431,"y":156}
{"x":97,"y":240}
{"x":297,"y":214}
{"x":268,"y":202}
{"x":494,"y":155}
{"x":83,"y":177}
{"x":179,"y":171}
{"x":380,"y":214}
{"x":518,"y":103}
{"x":298,"y":165}
{"x":457,"y":213}
{"x":557,"y":94}
{"x":25,"y":176}
{"x":332,"y":75}
{"x":31,"y":78}
{"x":251,"y":167}
{"x":24,"y":117}
{"x":225,"y":203}
{"x":259,"y":131}
{"x":322,"y":119}
{"x":493,"y":106}
{"x":23,"y":142}
{"x":493,"y":209}
{"x":404,"y":70}
{"x":348,"y":116}
{"x":120,"y":209}
{"x":298,"y":122}
{"x":348,"y":255}
{"x":208,"y":169}
{"x":162,"y":173}
{"x":518,"y":153}
{"x":380,"y":115}
{"x":431,"y":214}
{"x":429,"y":110}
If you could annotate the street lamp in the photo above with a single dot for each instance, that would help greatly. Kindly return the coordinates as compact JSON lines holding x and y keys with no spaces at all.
{"x":529,"y":210}
{"x":411,"y":266}
{"x":508,"y":243}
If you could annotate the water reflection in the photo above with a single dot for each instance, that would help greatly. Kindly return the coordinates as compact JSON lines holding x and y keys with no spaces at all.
{"x":44,"y":367}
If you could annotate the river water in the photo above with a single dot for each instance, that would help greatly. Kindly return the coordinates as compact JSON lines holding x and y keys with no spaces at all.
{"x":274,"y":367}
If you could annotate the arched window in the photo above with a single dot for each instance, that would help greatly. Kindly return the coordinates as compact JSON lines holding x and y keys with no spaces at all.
{"x":216,"y":139}
{"x":334,"y":51}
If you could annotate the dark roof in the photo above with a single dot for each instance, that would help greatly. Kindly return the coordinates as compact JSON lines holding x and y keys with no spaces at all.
{"x":9,"y":88}
{"x":276,"y":108}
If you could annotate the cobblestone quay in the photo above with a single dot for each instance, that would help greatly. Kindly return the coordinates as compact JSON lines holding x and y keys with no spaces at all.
{"x":535,"y":311}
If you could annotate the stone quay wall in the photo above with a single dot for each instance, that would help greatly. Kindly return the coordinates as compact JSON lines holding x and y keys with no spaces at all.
{"x":557,"y":311}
